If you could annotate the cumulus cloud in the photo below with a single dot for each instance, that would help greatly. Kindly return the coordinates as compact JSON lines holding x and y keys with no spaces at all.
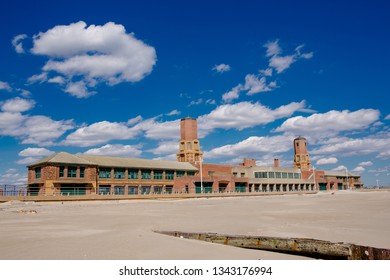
{"x":243,"y":115}
{"x":5,"y":86}
{"x":157,"y":130}
{"x":375,"y":144}
{"x":281,"y":63}
{"x":17,"y":105}
{"x":13,"y":177}
{"x":330,"y":123}
{"x":359,"y":169}
{"x":386,"y":118}
{"x":233,"y":94}
{"x":366,"y":163}
{"x":340,"y":168}
{"x":105,"y":131}
{"x":252,"y":146}
{"x":255,"y":85}
{"x":324,"y":161}
{"x":31,"y":155}
{"x":174,"y":113}
{"x":116,"y":151}
{"x":18,"y":44}
{"x":87,"y":55}
{"x":99,"y":133}
{"x":166,"y":148}
{"x":35,"y":152}
{"x":220,"y":68}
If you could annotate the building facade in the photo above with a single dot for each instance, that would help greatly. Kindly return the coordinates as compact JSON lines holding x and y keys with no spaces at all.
{"x":68,"y":174}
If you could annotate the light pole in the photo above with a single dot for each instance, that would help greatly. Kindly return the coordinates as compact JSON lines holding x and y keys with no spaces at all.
{"x":201,"y":173}
{"x":377,"y":183}
{"x":346,"y":173}
{"x":314,"y":174}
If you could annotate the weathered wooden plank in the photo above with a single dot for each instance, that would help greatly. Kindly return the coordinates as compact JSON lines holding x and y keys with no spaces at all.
{"x":299,"y":246}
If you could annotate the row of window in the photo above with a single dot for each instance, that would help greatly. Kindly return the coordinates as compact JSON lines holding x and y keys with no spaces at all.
{"x":133,"y":174}
{"x":278,"y":175}
{"x":72,"y":172}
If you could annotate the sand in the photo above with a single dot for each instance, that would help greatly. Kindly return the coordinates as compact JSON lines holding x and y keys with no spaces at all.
{"x":124,"y":229}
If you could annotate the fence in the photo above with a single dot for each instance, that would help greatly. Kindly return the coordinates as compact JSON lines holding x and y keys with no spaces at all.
{"x":11,"y":190}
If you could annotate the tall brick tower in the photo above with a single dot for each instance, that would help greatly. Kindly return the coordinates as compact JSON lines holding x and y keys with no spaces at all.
{"x":301,"y":156}
{"x":189,"y":148}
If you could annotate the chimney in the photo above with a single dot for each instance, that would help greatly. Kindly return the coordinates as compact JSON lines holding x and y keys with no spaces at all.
{"x":276,"y":162}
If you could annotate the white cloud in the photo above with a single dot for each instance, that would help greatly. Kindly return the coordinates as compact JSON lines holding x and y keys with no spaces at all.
{"x":11,"y":124}
{"x":243,"y":115}
{"x":13,"y":177}
{"x":255,"y":85}
{"x":210,"y":101}
{"x":330,"y":123}
{"x":17,"y":42}
{"x":31,"y":155}
{"x":95,"y":53}
{"x":17,"y":105}
{"x":5,"y":86}
{"x":386,"y":118}
{"x":99,"y":133}
{"x":116,"y":150}
{"x":340,"y":168}
{"x":135,"y":120}
{"x":376,"y":144}
{"x":359,"y":169}
{"x":366,"y":163}
{"x":196,"y":102}
{"x":35,"y":152}
{"x":272,"y":48}
{"x":78,"y":89}
{"x":157,"y":130}
{"x":166,"y":148}
{"x":252,"y":146}
{"x":220,"y":68}
{"x":40,"y":130}
{"x":38,"y":78}
{"x":57,"y":80}
{"x":282,"y":63}
{"x":174,"y":113}
{"x":324,"y":161}
{"x":267,"y":72}
{"x":233,"y":94}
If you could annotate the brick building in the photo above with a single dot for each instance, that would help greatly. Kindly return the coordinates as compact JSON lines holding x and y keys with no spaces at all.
{"x":68,"y":174}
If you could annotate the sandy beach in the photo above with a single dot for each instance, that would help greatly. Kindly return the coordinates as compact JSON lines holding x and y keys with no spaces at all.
{"x":124,"y":229}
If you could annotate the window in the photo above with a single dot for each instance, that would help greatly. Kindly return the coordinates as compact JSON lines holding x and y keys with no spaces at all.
{"x":62,"y":171}
{"x":105,"y":173}
{"x":211,"y":173}
{"x":284,"y":175}
{"x":169,"y":175}
{"x":271,"y":174}
{"x":297,"y":176}
{"x":82,"y":172}
{"x":290,"y":175}
{"x":179,"y":174}
{"x":119,"y":173}
{"x":242,"y":175}
{"x":158,"y":175}
{"x":133,"y":174}
{"x":235,"y":174}
{"x":38,"y":172}
{"x":146,"y":174}
{"x":278,"y":175}
{"x":261,"y":174}
{"x":190,"y":173}
{"x":72,"y":172}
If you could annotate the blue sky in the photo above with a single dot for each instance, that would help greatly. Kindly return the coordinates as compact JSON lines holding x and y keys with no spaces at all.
{"x":116,"y":78}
